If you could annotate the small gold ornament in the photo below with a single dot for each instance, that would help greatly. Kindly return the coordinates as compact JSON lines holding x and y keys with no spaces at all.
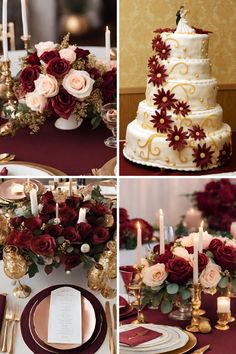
{"x":108,"y":220}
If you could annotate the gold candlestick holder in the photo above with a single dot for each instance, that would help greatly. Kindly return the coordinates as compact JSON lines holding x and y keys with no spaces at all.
{"x":135,"y":289}
{"x":196,"y":304}
{"x":10,"y":105}
{"x":223,"y":320}
{"x":26,"y":41}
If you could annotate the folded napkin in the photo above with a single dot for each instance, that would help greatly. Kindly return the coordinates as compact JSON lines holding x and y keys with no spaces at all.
{"x":2,"y":309}
{"x":122,"y":302}
{"x":138,"y":335}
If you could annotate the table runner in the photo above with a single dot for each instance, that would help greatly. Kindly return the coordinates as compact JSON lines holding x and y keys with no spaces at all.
{"x":74,"y":152}
{"x":128,"y":168}
{"x":220,"y":341}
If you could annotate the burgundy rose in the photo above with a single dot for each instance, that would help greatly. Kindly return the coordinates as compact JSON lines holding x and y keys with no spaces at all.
{"x":202,"y":261}
{"x":62,"y":104}
{"x":94,"y":73}
{"x":99,"y":210}
{"x":58,"y":67}
{"x":179,"y":270}
{"x":48,"y":198}
{"x":165,"y":257}
{"x":33,"y":223}
{"x":214,"y":244}
{"x":54,"y":230}
{"x":47,"y":56}
{"x":17,"y":221}
{"x":48,"y":212}
{"x":108,"y":87}
{"x":67,"y":216}
{"x":227,"y":195}
{"x":33,"y":59}
{"x":21,"y":239}
{"x":70,"y":260}
{"x":71,"y":234}
{"x":190,"y":249}
{"x":44,"y":245}
{"x":4,"y":171}
{"x":225,"y":256}
{"x":73,"y":202}
{"x":28,"y":76}
{"x":84,"y":230}
{"x":123,"y":215}
{"x":101,"y":235}
{"x":82,"y":53}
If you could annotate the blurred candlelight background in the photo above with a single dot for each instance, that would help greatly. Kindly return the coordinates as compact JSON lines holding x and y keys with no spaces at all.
{"x":51,"y":19}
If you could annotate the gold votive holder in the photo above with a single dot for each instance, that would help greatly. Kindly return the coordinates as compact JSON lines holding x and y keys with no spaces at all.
{"x":196,"y":305}
{"x":26,"y":41}
{"x":223,"y":320}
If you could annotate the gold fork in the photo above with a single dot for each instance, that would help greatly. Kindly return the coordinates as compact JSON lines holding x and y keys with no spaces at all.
{"x":13,"y":330}
{"x":8,"y":318}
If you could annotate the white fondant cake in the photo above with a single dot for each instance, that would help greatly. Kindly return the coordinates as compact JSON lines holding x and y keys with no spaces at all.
{"x":179,"y":124}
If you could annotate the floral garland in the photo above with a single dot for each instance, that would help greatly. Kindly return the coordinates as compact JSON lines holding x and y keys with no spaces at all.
{"x":44,"y":240}
{"x":167,"y":278}
{"x":128,"y":230}
{"x":60,"y":80}
{"x":167,"y":103}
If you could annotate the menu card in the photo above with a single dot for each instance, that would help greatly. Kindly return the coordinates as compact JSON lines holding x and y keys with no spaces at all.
{"x":64,"y":324}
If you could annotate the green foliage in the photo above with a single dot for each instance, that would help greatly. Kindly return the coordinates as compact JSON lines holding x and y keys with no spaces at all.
{"x":185,"y":293}
{"x":166,"y":306}
{"x":97,"y":195}
{"x":172,"y":288}
{"x":60,"y":240}
{"x":223,"y":283}
{"x":181,"y":230}
{"x":32,"y":270}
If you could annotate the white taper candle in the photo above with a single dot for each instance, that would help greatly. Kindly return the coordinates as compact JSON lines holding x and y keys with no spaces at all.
{"x":34,"y":202}
{"x":162,"y":235}
{"x":108,"y":45}
{"x":139,"y":243}
{"x":24,"y":18}
{"x":195,"y":258}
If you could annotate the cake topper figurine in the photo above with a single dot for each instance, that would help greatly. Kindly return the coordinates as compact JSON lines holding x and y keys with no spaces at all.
{"x":182,"y":23}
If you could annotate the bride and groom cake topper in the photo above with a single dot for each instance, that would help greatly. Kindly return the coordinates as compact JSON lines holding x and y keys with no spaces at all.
{"x":182,"y":23}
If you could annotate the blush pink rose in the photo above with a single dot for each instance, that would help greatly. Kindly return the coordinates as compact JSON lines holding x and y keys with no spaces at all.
{"x":68,"y":54}
{"x":42,"y":47}
{"x":46,"y":85}
{"x":78,"y":83}
{"x":155,"y":275}
{"x":35,"y":101}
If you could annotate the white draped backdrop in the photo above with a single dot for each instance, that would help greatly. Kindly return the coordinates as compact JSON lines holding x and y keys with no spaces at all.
{"x":143,"y":197}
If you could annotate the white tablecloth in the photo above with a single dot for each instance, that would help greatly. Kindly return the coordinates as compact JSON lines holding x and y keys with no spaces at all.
{"x":40,"y":282}
{"x":15,"y":55}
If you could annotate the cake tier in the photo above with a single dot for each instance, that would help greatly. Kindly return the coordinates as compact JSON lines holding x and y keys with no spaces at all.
{"x":187,"y":69}
{"x":153,"y":149}
{"x":209,"y":120}
{"x":187,"y":46}
{"x":200,"y":95}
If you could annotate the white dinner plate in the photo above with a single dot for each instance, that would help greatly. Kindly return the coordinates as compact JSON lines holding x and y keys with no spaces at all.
{"x":28,"y":169}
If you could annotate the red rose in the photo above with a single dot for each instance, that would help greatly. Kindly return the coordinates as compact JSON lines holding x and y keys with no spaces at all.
{"x":47,"y":56}
{"x":164,"y":258}
{"x":225,"y":256}
{"x":99,"y":210}
{"x":71,"y":234}
{"x":48,"y":212}
{"x":54,"y":230}
{"x":101,"y":235}
{"x":58,"y":67}
{"x":28,"y":76}
{"x":82,"y":53}
{"x":123,"y":215}
{"x":214,"y":244}
{"x":33,"y":223}
{"x":44,"y":245}
{"x":85,"y":230}
{"x":67,"y":216}
{"x":21,"y":239}
{"x":190,"y":249}
{"x":179,"y":270}
{"x":94,"y":74}
{"x":202,"y":261}
{"x":73,"y":202}
{"x":147,"y":229}
{"x":33,"y":59}
{"x":70,"y":260}
{"x":62,"y":104}
{"x":48,"y":198}
{"x":108,"y":87}
{"x":17,"y":221}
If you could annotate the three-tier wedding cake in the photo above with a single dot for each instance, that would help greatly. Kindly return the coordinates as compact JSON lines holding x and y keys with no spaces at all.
{"x":179,"y":124}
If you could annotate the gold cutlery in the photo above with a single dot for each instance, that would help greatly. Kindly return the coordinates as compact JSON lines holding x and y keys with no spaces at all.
{"x":8,"y":318}
{"x":201,"y":350}
{"x":13,"y":330}
{"x":112,"y":346}
{"x":5,"y":157}
{"x":114,"y":315}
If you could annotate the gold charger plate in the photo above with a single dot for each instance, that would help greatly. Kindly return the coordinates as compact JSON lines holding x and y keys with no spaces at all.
{"x":51,"y":171}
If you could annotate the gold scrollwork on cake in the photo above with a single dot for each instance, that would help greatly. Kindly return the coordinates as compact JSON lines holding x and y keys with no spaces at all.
{"x":182,"y":158}
{"x":150,"y":150}
{"x":146,"y":124}
{"x":211,"y":122}
{"x":183,"y":70}
{"x":188,"y":89}
{"x":174,"y":40}
{"x":185,"y":122}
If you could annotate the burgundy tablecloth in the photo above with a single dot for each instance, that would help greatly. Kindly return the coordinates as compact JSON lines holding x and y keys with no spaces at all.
{"x":74,"y":152}
{"x":128,"y":168}
{"x":220,"y":341}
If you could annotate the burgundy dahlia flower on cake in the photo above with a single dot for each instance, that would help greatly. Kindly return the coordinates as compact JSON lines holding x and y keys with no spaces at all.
{"x":179,"y":124}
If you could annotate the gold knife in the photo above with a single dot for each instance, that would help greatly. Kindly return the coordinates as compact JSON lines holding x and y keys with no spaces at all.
{"x":201,"y":350}
{"x":114,"y":315}
{"x":112,"y":345}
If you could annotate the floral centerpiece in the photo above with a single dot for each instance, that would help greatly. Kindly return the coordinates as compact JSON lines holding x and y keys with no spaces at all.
{"x":44,"y":240}
{"x":128,"y":230}
{"x":62,"y":80}
{"x":167,"y":278}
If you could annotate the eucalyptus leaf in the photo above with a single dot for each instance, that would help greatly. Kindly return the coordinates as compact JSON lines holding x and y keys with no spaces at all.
{"x":172,"y":288}
{"x":223,"y":283}
{"x":60,"y":240}
{"x":185,"y":294}
{"x":32,"y":270}
{"x":166,"y":306}
{"x":70,"y":249}
{"x":209,"y":254}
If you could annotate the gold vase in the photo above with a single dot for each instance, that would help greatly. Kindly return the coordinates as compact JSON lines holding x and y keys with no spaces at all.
{"x":15,"y":267}
{"x":96,"y":277}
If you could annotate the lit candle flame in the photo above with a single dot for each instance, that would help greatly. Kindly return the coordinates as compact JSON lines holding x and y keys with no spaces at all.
{"x":161,"y":212}
{"x":107,"y":28}
{"x":202,"y":224}
{"x":138,"y":225}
